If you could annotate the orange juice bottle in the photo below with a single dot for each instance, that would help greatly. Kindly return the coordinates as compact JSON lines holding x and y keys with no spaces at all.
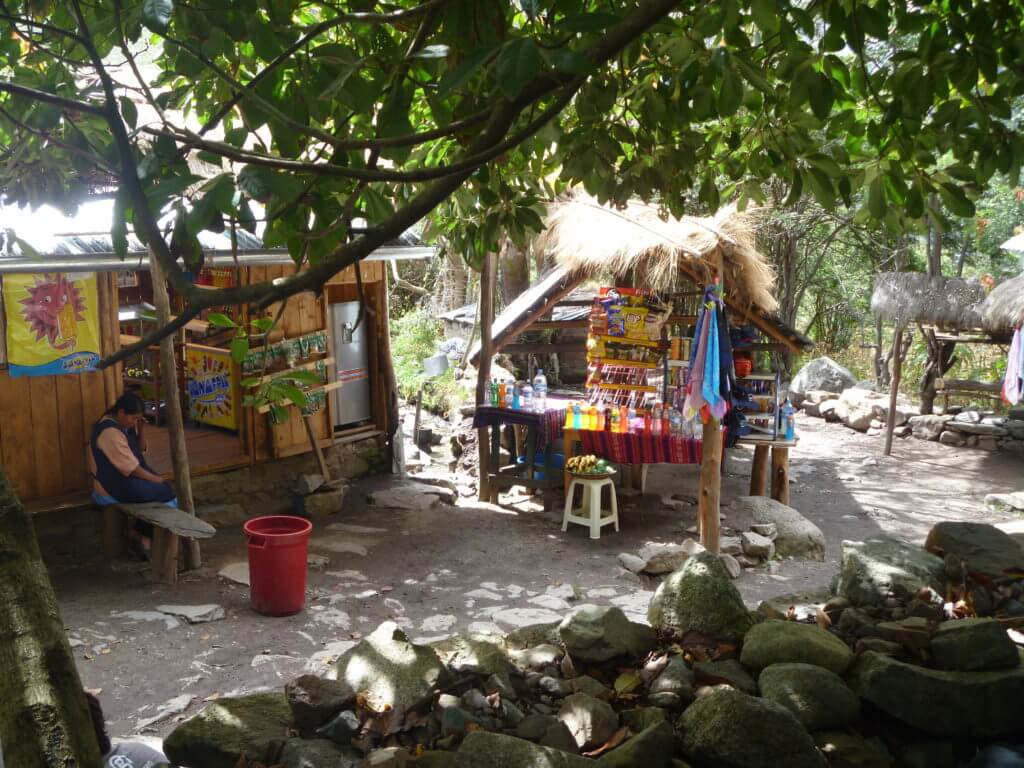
{"x":568,"y":416}
{"x":592,"y":418}
{"x":624,"y":426}
{"x":600,"y":420}
{"x":501,"y":394}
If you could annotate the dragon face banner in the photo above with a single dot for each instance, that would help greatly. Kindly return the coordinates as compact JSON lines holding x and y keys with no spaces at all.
{"x":52,"y":323}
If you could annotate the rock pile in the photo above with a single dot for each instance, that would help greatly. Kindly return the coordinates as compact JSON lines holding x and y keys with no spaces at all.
{"x":826,"y":390}
{"x":755,"y":530}
{"x":883,"y":673}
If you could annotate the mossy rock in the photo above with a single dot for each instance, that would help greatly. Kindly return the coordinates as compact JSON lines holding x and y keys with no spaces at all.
{"x":255,"y":726}
{"x":700,"y":597}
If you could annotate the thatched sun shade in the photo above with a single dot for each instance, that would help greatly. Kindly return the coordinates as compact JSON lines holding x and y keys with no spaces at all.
{"x":951,"y":303}
{"x":1004,"y":307}
{"x":590,"y":239}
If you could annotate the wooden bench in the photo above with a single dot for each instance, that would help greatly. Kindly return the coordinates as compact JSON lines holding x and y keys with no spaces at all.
{"x":967,"y":388}
{"x":779,"y":451}
{"x":169,"y":525}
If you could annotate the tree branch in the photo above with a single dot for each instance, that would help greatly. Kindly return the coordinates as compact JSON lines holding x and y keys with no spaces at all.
{"x":50,"y":98}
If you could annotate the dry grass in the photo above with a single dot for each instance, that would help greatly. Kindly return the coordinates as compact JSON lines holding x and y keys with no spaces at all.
{"x":591,"y":239}
{"x":948,"y":302}
{"x":1004,"y":307}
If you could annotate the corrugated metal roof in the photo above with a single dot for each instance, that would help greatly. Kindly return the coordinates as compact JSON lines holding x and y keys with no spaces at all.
{"x":77,"y":244}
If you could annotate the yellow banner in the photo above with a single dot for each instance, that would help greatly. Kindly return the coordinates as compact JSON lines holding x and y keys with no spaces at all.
{"x":52,"y":323}
{"x":212,"y":382}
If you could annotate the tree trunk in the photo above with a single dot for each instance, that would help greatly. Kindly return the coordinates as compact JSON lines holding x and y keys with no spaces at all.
{"x":934,"y":244}
{"x":175,"y":421}
{"x":515,"y":272}
{"x":44,"y":720}
{"x":894,"y":387}
{"x":940,"y":360}
{"x":455,"y":281}
{"x":484,"y":371}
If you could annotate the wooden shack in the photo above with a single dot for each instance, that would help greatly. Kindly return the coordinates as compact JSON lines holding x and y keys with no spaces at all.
{"x":45,"y":421}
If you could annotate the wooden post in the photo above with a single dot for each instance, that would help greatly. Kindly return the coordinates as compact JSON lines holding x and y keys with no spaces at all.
{"x":176,"y":434}
{"x":710,"y":486}
{"x":484,"y":371}
{"x":780,"y":474}
{"x":318,"y":452}
{"x":759,"y":472}
{"x":113,"y":532}
{"x":894,"y":387}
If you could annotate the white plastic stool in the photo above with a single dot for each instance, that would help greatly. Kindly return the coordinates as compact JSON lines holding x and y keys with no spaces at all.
{"x":591,"y":505}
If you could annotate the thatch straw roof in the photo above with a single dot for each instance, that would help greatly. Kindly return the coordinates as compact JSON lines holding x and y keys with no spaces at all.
{"x":1004,"y":307}
{"x":951,"y":303}
{"x":590,"y":239}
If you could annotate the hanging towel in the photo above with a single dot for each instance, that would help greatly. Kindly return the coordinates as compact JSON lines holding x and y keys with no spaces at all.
{"x":694,"y":391}
{"x":1013,"y":384}
{"x":712,"y":383}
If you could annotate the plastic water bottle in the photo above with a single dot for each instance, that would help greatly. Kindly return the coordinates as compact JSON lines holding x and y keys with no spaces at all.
{"x":526,"y":397}
{"x":789,"y":420}
{"x":509,"y":394}
{"x":540,"y":390}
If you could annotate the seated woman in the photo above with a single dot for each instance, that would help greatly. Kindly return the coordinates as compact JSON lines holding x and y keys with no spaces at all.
{"x":118,"y":465}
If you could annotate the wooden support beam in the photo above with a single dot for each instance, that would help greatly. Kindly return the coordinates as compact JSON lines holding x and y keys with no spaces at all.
{"x":529,"y":318}
{"x":780,"y":474}
{"x":113,"y":532}
{"x":317,"y":450}
{"x":894,"y":388}
{"x":543,"y":347}
{"x":759,"y":472}
{"x":164,"y":555}
{"x":709,"y":499}
{"x":558,"y":325}
{"x":484,"y":370}
{"x":966,"y":385}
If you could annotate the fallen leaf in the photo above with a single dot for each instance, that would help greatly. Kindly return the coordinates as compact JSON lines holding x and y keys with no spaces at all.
{"x":628,"y":682}
{"x":822,"y":619}
{"x":567,"y":667}
{"x":87,"y":657}
{"x":613,"y":741}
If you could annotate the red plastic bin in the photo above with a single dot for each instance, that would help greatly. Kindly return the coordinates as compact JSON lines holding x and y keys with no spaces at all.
{"x":278,"y":545}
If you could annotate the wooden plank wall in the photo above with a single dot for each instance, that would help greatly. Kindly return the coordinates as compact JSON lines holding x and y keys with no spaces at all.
{"x":45,"y":421}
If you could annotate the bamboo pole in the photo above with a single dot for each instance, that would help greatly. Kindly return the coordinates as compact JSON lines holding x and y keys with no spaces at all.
{"x":175,"y":428}
{"x":894,"y":387}
{"x":710,"y":486}
{"x":759,"y":471}
{"x":484,"y":371}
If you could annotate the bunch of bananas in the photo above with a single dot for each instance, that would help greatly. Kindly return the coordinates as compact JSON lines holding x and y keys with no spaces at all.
{"x":587,"y":465}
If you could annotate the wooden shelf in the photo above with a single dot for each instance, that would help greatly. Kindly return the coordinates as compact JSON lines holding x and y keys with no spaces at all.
{"x":284,"y":372}
{"x":325,"y":388}
{"x":622,"y":363}
{"x":630,"y":341}
{"x":757,"y":377}
{"x":627,"y":387}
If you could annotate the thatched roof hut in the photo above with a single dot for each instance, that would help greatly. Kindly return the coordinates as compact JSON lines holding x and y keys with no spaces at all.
{"x":589,"y":239}
{"x":949,"y":303}
{"x":1004,"y":307}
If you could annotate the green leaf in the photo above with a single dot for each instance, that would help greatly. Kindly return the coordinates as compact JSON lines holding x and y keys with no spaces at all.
{"x":730,"y":93}
{"x":567,"y":60}
{"x":220,"y":320}
{"x":956,"y":201}
{"x":291,"y":392}
{"x":239,"y":348}
{"x":262,"y":183}
{"x":765,"y":13}
{"x":378,"y":207}
{"x":279,"y":414}
{"x":517,"y":64}
{"x":156,"y":14}
{"x":464,"y":71}
{"x":876,"y":198}
{"x":821,"y":186}
{"x":821,"y":96}
{"x":130,"y":112}
{"x":301,"y":377}
{"x":262,"y":324}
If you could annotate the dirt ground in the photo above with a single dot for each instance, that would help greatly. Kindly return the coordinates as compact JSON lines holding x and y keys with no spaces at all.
{"x":473,"y":567}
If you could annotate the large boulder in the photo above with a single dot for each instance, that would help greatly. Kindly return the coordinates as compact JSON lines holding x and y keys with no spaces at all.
{"x":662,"y":557}
{"x":822,"y":374}
{"x":733,"y":730}
{"x":970,"y":645}
{"x":255,"y":726}
{"x":596,"y":633}
{"x":478,"y":655}
{"x":651,"y":748}
{"x":674,"y":684}
{"x":987,"y":551}
{"x":796,"y":535}
{"x":928,"y":426}
{"x":859,"y":407}
{"x":872,"y":570}
{"x":314,"y":700}
{"x":699,"y":597}
{"x":391,"y":672}
{"x":818,"y":698}
{"x":318,"y":753}
{"x":590,"y":721}
{"x":789,"y":642}
{"x":980,"y":705}
{"x":481,"y":749}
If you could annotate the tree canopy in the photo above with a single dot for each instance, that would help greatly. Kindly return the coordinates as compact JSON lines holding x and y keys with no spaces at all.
{"x":325,"y":113}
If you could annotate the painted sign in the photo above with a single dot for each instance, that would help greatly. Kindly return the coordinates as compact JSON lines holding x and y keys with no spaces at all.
{"x":212,"y":386}
{"x":52,"y":323}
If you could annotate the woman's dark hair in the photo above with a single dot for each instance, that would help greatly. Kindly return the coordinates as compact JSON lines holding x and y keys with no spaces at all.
{"x":129,"y":402}
{"x":98,"y":724}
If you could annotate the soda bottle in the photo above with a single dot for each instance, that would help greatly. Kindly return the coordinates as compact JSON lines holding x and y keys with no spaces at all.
{"x":509,"y":394}
{"x":494,"y":392}
{"x":631,"y":420}
{"x":623,"y":419}
{"x":577,"y":417}
{"x":613,"y":419}
{"x":501,"y":394}
{"x":526,"y":397}
{"x":568,"y":416}
{"x":517,"y":396}
{"x":789,"y":419}
{"x":647,"y":421}
{"x":599,"y":425}
{"x":656,"y":420}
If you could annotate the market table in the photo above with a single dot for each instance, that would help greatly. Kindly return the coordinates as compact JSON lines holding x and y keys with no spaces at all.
{"x":779,"y":462}
{"x":637,"y":449}
{"x":543,"y":428}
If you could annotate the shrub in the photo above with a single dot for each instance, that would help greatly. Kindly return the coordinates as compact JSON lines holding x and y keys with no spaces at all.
{"x":414,"y":337}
